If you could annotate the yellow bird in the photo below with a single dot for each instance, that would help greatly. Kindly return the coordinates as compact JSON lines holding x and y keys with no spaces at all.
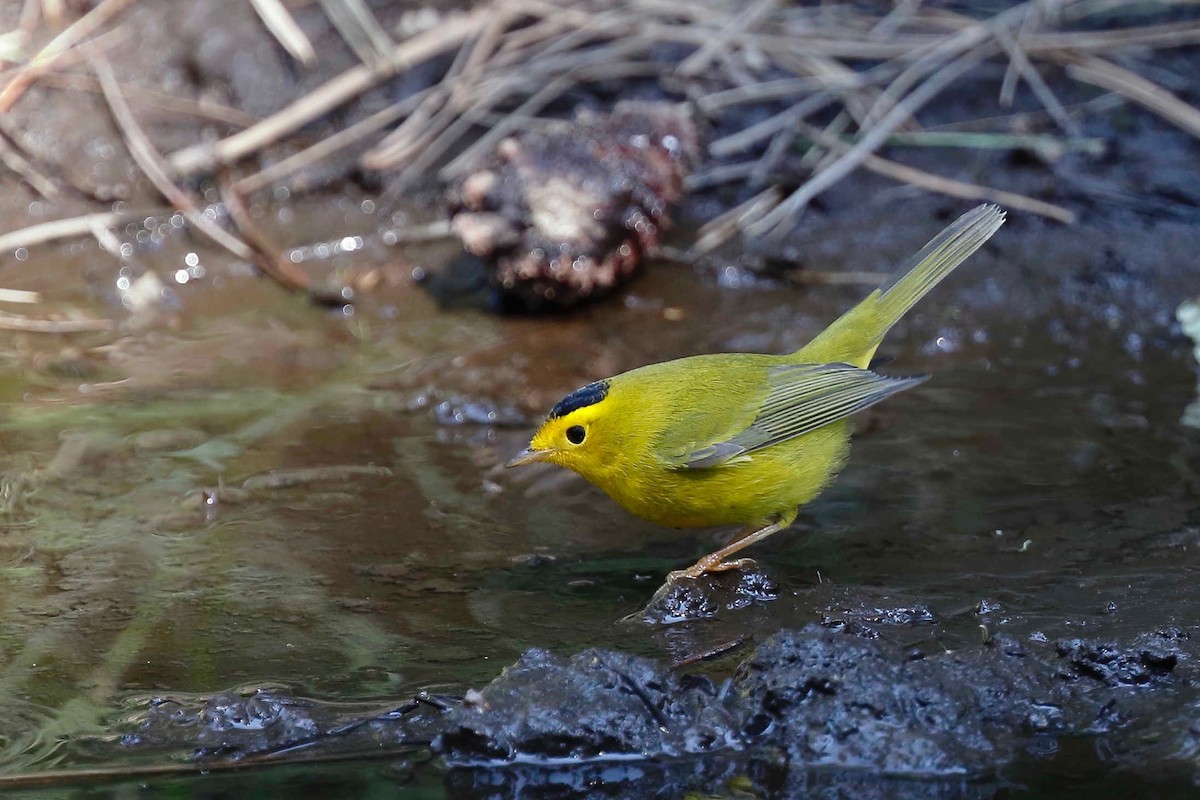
{"x":740,"y":438}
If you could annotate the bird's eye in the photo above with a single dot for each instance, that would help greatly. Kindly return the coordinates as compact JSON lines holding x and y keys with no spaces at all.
{"x":576,"y":434}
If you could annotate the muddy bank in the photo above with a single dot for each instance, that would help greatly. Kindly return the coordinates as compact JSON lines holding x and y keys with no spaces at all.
{"x":811,"y":712}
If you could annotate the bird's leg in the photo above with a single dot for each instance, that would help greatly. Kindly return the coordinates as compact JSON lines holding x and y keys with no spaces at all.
{"x":716,"y":562}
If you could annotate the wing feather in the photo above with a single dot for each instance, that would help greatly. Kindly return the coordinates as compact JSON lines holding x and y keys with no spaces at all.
{"x":800,"y":399}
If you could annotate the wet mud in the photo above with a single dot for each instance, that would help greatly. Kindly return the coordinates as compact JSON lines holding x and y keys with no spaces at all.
{"x":811,"y":712}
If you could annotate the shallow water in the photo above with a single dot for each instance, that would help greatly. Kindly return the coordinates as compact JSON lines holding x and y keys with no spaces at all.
{"x":1041,"y":485}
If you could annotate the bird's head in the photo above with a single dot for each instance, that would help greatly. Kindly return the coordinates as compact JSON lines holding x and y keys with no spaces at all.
{"x":573,"y":435}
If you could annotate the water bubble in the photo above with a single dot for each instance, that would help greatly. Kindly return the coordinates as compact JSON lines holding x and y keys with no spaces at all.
{"x":281,"y":193}
{"x":126,"y":250}
{"x":368,"y":206}
{"x":191,"y":259}
{"x":197,"y":272}
{"x":21,"y":254}
{"x":295,"y":256}
{"x":182,"y":276}
{"x":123,"y":283}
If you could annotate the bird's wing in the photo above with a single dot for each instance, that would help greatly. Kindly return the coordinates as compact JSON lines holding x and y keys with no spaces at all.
{"x":800,"y":399}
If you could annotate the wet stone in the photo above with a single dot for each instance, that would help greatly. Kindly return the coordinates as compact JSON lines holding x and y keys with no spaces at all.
{"x":840,"y":701}
{"x":1150,"y":658}
{"x":824,"y":698}
{"x":594,"y":705}
{"x":710,"y":594}
{"x":865,"y":616}
{"x":234,"y":725}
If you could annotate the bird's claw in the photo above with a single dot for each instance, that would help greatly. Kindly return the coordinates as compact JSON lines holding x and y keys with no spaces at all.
{"x":705,"y":565}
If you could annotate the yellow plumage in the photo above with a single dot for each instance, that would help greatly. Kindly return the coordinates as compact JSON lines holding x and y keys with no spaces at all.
{"x":743,"y":438}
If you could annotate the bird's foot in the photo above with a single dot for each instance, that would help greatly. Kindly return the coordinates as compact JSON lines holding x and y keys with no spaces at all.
{"x":708,"y":564}
{"x":687,"y":594}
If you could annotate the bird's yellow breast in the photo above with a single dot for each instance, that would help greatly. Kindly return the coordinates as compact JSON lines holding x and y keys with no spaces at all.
{"x":768,"y":482}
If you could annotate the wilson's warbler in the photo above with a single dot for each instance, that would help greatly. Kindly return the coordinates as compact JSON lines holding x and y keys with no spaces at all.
{"x":742,"y":438}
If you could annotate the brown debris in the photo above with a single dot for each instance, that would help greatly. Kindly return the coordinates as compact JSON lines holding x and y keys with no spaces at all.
{"x":567,"y":212}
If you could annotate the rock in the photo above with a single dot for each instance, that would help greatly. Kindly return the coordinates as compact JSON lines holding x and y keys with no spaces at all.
{"x":708,"y":595}
{"x":594,"y":705}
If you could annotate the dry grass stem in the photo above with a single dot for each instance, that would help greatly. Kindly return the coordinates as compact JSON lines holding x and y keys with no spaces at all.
{"x":283,"y":27}
{"x":201,"y":109}
{"x":837,"y":80}
{"x":73,"y":227}
{"x":325,"y":98}
{"x":327,"y":146}
{"x":16,"y":322}
{"x":777,"y":220}
{"x":723,"y":227}
{"x":947,"y":186}
{"x":19,"y":296}
{"x":76,"y":33}
{"x":16,"y":161}
{"x":1107,"y":75}
{"x":151,"y":163}
{"x":359,"y":29}
{"x":266,"y":254}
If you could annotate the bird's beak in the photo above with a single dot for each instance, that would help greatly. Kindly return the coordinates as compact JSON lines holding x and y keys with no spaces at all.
{"x":528,"y":456}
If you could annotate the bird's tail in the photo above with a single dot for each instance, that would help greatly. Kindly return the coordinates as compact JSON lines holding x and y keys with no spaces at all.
{"x":854,"y":337}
